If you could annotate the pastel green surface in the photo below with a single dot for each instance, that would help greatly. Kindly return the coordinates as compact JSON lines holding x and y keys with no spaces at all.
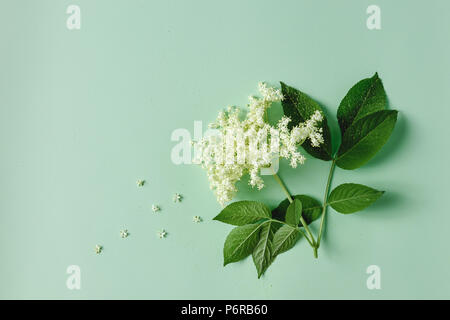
{"x":86,"y":113}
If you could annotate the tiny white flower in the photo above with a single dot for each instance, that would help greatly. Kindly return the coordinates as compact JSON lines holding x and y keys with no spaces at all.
{"x":124,"y":233}
{"x":177,"y":197}
{"x":197,"y":219}
{"x":155,"y":208}
{"x":140,"y":183}
{"x":98,"y":249}
{"x":162,"y":234}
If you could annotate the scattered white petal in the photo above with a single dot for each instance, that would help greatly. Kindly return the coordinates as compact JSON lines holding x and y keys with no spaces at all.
{"x":140,"y":183}
{"x":162,"y":234}
{"x":197,"y":219}
{"x":98,"y":249}
{"x":155,"y":208}
{"x":177,"y":197}
{"x":124,"y":233}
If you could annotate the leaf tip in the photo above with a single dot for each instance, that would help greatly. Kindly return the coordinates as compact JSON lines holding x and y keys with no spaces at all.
{"x":394,"y":114}
{"x":225,"y":262}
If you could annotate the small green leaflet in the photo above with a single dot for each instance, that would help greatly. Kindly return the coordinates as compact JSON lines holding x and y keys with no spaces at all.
{"x":284,"y":239}
{"x":300,"y":107}
{"x":352,"y":197}
{"x":240,"y":242}
{"x":243,"y":212}
{"x":364,"y":138}
{"x":294,"y":213}
{"x":262,"y":254}
{"x":311,"y":209}
{"x":364,"y":98}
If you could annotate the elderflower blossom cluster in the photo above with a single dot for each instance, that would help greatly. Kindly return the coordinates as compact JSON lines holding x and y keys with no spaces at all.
{"x":245,"y":146}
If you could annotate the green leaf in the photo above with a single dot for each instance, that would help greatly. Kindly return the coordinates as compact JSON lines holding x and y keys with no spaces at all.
{"x":294,"y":213}
{"x":300,"y":107}
{"x":262,"y":254}
{"x":240,"y":242}
{"x":364,"y":138}
{"x":311,"y":209}
{"x":284,"y":239}
{"x":352,"y":197}
{"x":243,"y":212}
{"x":364,"y":98}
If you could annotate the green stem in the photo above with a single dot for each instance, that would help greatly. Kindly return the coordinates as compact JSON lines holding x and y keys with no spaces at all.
{"x":300,"y":230}
{"x":306,"y":237}
{"x":305,"y":225}
{"x":277,"y":178}
{"x":311,"y":240}
{"x":324,"y":208}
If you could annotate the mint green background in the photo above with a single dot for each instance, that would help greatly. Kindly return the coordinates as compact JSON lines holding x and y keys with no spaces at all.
{"x":84,"y":114}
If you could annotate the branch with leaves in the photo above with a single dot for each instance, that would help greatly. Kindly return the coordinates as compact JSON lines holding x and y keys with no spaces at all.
{"x":365,"y":127}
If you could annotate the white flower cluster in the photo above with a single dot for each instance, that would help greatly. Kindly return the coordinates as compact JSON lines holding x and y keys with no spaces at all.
{"x":246,"y":146}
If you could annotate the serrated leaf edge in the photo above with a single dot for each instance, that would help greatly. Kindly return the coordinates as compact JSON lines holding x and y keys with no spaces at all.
{"x":276,"y":249}
{"x":240,"y":245}
{"x":394,"y":112}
